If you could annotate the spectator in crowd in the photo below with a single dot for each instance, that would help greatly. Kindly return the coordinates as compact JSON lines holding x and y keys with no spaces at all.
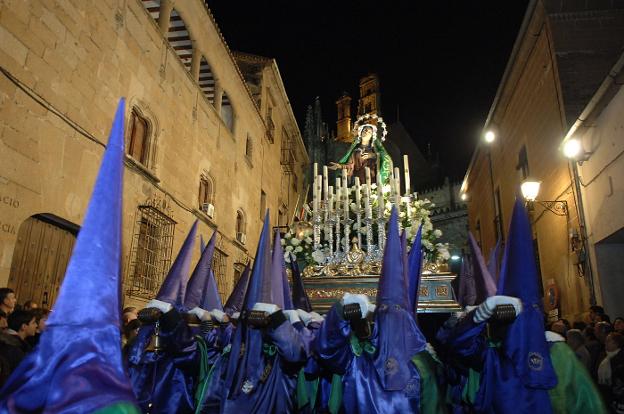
{"x":13,"y":344}
{"x":129,"y":313}
{"x":4,"y":323}
{"x":41,"y":316}
{"x":576,"y":341}
{"x":7,"y":300}
{"x":561,"y":326}
{"x":30,"y":305}
{"x":580,"y":325}
{"x":618,"y":325}
{"x":603,"y":318}
{"x":130,"y":332}
{"x":611,"y":372}
{"x":601,"y":330}
{"x":594,"y":311}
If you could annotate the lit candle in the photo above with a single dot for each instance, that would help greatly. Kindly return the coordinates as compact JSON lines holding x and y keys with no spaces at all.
{"x":380,"y":200}
{"x":314,"y":196}
{"x":325,"y":182}
{"x":331,"y":199}
{"x":357,"y":192}
{"x":407,"y":174}
{"x":315,"y":171}
{"x":397,"y":190}
{"x":367,"y":206}
{"x":345,"y":193}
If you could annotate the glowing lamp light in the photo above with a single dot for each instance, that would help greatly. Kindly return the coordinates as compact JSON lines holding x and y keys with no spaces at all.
{"x":463,"y":196}
{"x":530,"y":189}
{"x":455,"y":257}
{"x":572,"y":148}
{"x":490,"y":136}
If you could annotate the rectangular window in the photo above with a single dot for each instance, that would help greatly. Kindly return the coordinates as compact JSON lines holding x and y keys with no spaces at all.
{"x":523,"y":163}
{"x":262,"y":204}
{"x":150,"y":251}
{"x":137,"y":147}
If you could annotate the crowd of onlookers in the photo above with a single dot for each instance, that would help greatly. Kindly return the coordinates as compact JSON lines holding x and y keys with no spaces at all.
{"x":597,"y":344}
{"x":20,"y":328}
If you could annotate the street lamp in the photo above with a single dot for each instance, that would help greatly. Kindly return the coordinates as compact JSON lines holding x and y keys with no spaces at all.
{"x":530,"y":190}
{"x":572,"y":149}
{"x":463,"y":196}
{"x":489,"y":136}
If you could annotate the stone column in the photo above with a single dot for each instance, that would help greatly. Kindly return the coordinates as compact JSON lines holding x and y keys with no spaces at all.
{"x":166,"y":6}
{"x":195,"y":62}
{"x":218,"y":95}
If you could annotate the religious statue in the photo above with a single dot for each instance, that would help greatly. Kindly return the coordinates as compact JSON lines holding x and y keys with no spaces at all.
{"x":366,"y":151}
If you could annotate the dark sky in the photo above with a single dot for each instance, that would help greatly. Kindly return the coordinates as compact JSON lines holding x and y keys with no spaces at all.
{"x":439,"y":61}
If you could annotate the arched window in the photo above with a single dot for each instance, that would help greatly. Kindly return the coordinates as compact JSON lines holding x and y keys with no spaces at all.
{"x":227,"y":112}
{"x":206,"y":191}
{"x":138,"y":142}
{"x":249,"y":148}
{"x":180,"y":39}
{"x":240,"y":227}
{"x":206,"y":80}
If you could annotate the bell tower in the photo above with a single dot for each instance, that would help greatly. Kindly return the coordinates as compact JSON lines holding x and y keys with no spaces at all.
{"x":343,"y":124}
{"x":369,"y":95}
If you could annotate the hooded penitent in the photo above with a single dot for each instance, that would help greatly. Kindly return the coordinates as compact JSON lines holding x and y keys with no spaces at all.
{"x":279,"y":282}
{"x":414,"y":266}
{"x":201,"y":288}
{"x":299,"y":296}
{"x":235,"y":300}
{"x":484,"y":284}
{"x":173,"y":288}
{"x":394,"y":314}
{"x":77,"y":366}
{"x":493,"y":260}
{"x":519,"y":375}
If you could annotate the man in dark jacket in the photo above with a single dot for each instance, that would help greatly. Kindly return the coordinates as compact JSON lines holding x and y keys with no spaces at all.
{"x":13,"y":342}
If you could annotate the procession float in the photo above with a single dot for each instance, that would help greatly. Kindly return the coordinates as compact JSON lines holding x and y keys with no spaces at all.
{"x":338,"y":244}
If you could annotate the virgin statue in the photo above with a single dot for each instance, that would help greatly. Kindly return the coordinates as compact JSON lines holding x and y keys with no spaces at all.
{"x":366,"y":151}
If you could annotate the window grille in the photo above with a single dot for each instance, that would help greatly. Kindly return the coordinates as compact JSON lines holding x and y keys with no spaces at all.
{"x":219,"y":266}
{"x":150,"y":251}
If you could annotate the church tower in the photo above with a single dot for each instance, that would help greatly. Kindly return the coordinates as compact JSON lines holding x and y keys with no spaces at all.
{"x":369,"y":95}
{"x":343,"y":124}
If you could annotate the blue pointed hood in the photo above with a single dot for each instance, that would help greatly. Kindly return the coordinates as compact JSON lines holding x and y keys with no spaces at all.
{"x":466,"y":295}
{"x":202,"y":244}
{"x":77,"y":366}
{"x":173,"y":288}
{"x":393,"y":314}
{"x":525,"y":343}
{"x":200,"y":278}
{"x":414,"y":266}
{"x":277,"y":268}
{"x":211,"y":298}
{"x":483,"y":282}
{"x":300,"y":298}
{"x":249,"y":366}
{"x":235,"y":301}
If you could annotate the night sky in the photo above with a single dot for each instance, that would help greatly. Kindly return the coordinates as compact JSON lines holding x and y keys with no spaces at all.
{"x":440,"y":61}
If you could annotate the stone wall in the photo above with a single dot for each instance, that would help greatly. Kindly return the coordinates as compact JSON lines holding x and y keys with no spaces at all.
{"x":66,"y":63}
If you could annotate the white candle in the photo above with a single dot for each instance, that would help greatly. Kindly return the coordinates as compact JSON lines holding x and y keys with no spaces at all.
{"x":397,"y":190}
{"x":367,"y":207}
{"x":319,"y":183}
{"x":325,"y":182}
{"x":407,"y":174}
{"x":315,"y":171}
{"x":331,"y":199}
{"x":357,"y":192}
{"x":314,"y":196}
{"x":345,"y":193}
{"x":380,"y":199}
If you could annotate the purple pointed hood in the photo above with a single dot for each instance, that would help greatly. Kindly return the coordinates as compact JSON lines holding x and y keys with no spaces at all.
{"x":277,"y":268}
{"x":484,"y":285}
{"x":77,"y":366}
{"x":173,"y":288}
{"x":414,"y":265}
{"x":494,"y":260}
{"x":200,"y":278}
{"x":235,"y":301}
{"x":393,"y":314}
{"x":300,"y":298}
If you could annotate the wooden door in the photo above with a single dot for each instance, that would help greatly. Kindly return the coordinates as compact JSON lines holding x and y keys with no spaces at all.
{"x":40,"y":259}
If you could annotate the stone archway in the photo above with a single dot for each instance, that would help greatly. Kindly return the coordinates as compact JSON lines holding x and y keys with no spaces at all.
{"x":42,"y":251}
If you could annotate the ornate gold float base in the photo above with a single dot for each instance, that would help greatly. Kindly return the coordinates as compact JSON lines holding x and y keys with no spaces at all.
{"x":435,"y":294}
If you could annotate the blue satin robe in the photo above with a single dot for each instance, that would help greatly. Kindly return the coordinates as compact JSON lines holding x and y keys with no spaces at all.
{"x":500,"y":390}
{"x":362,"y":390}
{"x":220,"y":353}
{"x":164,"y":382}
{"x":277,"y":393}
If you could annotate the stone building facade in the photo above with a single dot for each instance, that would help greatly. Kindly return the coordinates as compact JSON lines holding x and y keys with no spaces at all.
{"x":562,"y":53}
{"x":208,"y":138}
